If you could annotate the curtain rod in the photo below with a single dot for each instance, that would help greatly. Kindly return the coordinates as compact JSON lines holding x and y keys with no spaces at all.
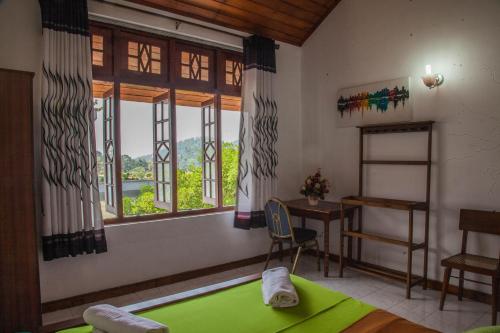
{"x":178,"y":21}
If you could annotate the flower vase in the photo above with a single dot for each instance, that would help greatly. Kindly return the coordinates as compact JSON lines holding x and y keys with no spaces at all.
{"x":313,"y":200}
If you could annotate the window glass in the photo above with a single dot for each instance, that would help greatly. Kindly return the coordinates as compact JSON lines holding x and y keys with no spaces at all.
{"x":105,"y":146}
{"x":230,"y":124}
{"x":190,"y":150}
{"x":138,"y":149}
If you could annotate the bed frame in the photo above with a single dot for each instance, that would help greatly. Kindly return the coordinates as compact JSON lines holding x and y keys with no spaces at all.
{"x":161,"y":301}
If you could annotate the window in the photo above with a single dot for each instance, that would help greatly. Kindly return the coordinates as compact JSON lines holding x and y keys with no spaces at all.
{"x":233,"y":72}
{"x":230,"y":124}
{"x":167,"y":125}
{"x":145,"y":150}
{"x":162,"y":157}
{"x":105,"y":146}
{"x":196,"y":164}
{"x":194,"y":66}
{"x":141,"y":59}
{"x":208,"y":152}
{"x":144,"y":57}
{"x":231,"y":78}
{"x":101,"y":52}
{"x":97,"y":50}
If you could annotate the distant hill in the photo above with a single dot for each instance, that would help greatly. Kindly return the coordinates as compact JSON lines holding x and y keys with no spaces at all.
{"x":188,"y":153}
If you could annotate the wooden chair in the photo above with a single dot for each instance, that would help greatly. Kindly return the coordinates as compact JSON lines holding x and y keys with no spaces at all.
{"x":481,"y":222}
{"x":281,"y":230}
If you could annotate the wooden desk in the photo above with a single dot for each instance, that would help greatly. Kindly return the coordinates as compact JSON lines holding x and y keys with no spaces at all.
{"x":325,"y":211}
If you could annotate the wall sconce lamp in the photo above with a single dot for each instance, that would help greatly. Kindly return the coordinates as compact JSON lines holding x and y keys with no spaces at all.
{"x":432,"y":80}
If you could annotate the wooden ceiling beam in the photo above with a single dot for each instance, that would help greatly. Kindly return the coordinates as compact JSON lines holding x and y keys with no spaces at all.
{"x":310,"y":6}
{"x":202,"y":14}
{"x":278,"y":9}
{"x":251,"y":15}
{"x":290,"y":21}
{"x":259,"y":11}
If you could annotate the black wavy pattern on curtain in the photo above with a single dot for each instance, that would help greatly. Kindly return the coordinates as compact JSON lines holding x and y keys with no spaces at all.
{"x":67,"y":133}
{"x":243,"y":167}
{"x":265,"y":128}
{"x":65,"y":15}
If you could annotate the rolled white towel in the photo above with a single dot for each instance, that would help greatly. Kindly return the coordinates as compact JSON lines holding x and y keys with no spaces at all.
{"x":277,"y":288}
{"x":110,"y":319}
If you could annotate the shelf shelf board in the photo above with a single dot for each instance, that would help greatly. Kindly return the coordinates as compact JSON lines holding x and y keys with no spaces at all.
{"x":394,"y":162}
{"x":384,"y":272}
{"x":383,"y":239}
{"x":405,"y":127}
{"x":384,"y":203}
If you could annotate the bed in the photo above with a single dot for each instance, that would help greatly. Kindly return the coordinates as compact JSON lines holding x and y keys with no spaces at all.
{"x":236,"y":306}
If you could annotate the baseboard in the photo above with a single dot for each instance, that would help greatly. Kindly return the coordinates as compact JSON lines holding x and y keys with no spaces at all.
{"x":158,"y":282}
{"x":474,"y":295}
{"x":149,"y":284}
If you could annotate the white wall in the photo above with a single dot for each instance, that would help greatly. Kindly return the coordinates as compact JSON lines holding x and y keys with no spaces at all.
{"x":141,"y":251}
{"x":363,"y":41}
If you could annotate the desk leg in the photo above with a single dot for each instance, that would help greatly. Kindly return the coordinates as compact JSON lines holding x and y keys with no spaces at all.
{"x":303,"y":222}
{"x":326,"y":246}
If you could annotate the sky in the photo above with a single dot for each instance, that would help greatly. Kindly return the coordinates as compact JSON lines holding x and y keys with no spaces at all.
{"x":137,"y":126}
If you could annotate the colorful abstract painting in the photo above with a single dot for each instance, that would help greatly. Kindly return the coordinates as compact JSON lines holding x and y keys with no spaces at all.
{"x":378,"y":102}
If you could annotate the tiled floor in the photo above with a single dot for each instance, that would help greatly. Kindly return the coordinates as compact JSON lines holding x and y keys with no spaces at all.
{"x":384,"y":294}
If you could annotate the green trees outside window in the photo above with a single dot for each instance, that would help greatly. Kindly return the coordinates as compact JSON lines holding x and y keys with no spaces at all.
{"x":189,"y":178}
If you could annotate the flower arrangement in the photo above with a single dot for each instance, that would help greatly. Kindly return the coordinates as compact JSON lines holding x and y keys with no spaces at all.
{"x":315,"y":186}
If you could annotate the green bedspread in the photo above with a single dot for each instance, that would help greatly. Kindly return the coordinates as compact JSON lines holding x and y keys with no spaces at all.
{"x":241,"y":310}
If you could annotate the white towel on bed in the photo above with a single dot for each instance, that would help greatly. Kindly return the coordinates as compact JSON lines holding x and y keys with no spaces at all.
{"x":110,"y":319}
{"x":277,"y":288}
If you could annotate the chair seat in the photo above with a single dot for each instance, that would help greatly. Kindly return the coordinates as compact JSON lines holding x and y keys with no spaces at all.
{"x":472,"y":263}
{"x":303,"y":235}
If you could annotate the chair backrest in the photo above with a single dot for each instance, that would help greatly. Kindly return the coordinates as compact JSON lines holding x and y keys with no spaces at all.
{"x":278,"y":219}
{"x":481,"y":221}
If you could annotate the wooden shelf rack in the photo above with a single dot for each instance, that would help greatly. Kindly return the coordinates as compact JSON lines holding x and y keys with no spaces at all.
{"x":406,"y":205}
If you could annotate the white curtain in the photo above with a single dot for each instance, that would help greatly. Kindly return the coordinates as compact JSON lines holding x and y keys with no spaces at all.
{"x":258,"y":133}
{"x":72,"y":220}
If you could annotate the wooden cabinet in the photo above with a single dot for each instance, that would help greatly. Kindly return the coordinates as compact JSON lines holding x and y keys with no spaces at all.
{"x":19,"y":280}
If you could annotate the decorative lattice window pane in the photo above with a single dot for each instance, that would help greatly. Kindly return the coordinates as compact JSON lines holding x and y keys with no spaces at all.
{"x":109,"y":155}
{"x":209,"y":165}
{"x":144,"y":58}
{"x":97,"y":50}
{"x":233,"y":73}
{"x":194,"y":66}
{"x":161,"y":157}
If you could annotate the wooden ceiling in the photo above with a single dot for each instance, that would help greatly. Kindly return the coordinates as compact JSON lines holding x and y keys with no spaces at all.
{"x":290,"y":21}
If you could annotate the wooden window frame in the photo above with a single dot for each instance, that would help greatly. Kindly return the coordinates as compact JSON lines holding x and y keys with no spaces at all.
{"x":160,"y":139}
{"x":105,"y":72}
{"x":210,"y":124}
{"x":228,"y":89}
{"x":193,"y":84}
{"x":121,"y":58}
{"x":169,"y":78}
{"x":109,"y":140}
